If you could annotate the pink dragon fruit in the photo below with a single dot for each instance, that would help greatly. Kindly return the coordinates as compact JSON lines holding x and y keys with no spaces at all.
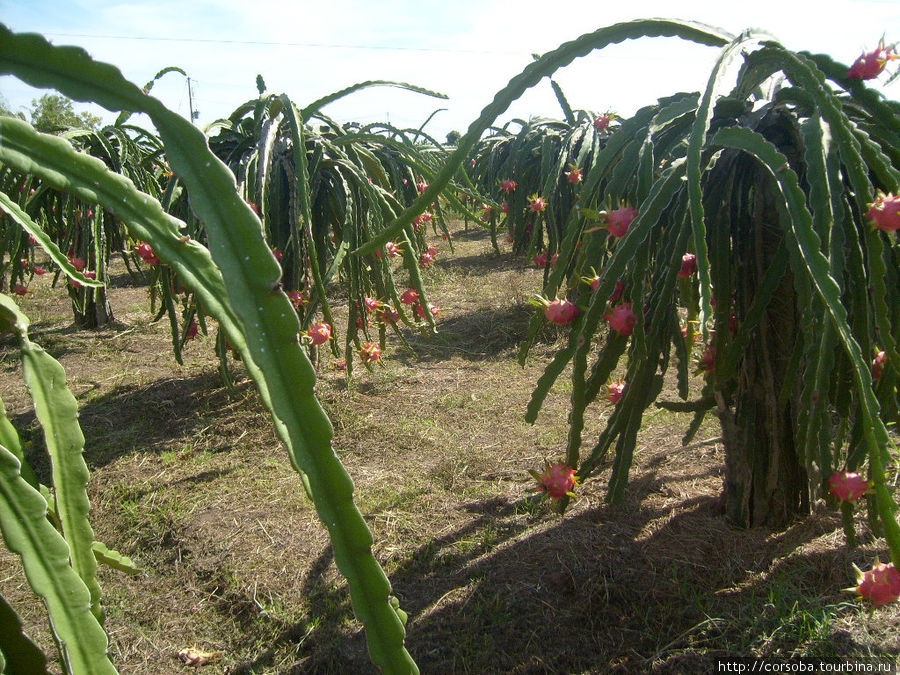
{"x":145,"y":251}
{"x":557,"y":481}
{"x":847,"y":486}
{"x":410,"y":296}
{"x":319,"y":333}
{"x":561,"y":311}
{"x":508,"y":185}
{"x":618,"y":221}
{"x":420,"y":311}
{"x":574,"y":175}
{"x":388,"y":314}
{"x":688,"y":266}
{"x":869,"y":65}
{"x":880,"y":585}
{"x":602,"y":122}
{"x":537,"y":204}
{"x":424,"y":217}
{"x":618,"y":291}
{"x":370,"y":352}
{"x":884,"y":212}
{"x":621,"y":318}
{"x":297,"y":298}
{"x":19,"y":289}
{"x":541,"y":259}
{"x":371,"y":304}
{"x":616,"y":389}
{"x":593,"y":282}
{"x":877,"y":363}
{"x":393,"y":250}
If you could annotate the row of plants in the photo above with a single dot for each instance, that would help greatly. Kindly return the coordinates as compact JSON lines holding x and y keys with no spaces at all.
{"x":354,"y":180}
{"x":732,"y":264}
{"x":733,"y":219}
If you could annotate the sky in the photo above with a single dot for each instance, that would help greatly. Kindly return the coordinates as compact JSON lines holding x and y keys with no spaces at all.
{"x":466,"y":49}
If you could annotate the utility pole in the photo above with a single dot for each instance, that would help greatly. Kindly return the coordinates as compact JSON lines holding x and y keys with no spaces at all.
{"x":191,"y":101}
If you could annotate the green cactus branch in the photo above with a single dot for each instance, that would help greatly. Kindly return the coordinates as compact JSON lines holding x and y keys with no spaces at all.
{"x":264,"y":312}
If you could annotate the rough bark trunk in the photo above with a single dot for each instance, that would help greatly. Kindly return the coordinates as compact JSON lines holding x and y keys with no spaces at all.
{"x":97,"y":310}
{"x":765,"y":480}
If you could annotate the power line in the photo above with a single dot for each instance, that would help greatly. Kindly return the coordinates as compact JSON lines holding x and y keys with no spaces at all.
{"x":311,"y":45}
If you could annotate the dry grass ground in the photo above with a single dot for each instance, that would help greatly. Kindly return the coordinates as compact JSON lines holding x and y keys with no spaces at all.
{"x":190,"y":482}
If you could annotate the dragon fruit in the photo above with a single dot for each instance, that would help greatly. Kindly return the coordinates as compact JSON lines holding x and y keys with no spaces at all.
{"x":393,"y":250}
{"x":880,"y":585}
{"x":370,"y":352}
{"x":574,"y":175}
{"x":616,"y":389}
{"x":884,"y":212}
{"x":424,"y":217}
{"x":557,"y":481}
{"x":618,"y":221}
{"x":145,"y":251}
{"x":319,"y":333}
{"x":508,"y":185}
{"x":593,"y":282}
{"x":618,"y":291}
{"x":621,"y":318}
{"x":869,"y":65}
{"x":561,"y":311}
{"x":688,"y":266}
{"x":388,"y":314}
{"x":410,"y":296}
{"x":537,"y":204}
{"x":420,"y":311}
{"x":847,"y":486}
{"x":877,"y":363}
{"x":297,"y":298}
{"x":602,"y":122}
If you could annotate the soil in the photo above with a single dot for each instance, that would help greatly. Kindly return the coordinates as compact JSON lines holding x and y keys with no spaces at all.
{"x":189,"y":480}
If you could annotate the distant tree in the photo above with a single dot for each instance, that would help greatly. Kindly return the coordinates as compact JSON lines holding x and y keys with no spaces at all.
{"x":6,"y":110}
{"x":52,"y":112}
{"x":453,"y":137}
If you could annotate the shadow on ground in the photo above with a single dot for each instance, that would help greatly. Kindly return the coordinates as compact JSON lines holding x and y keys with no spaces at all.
{"x":517,"y":590}
{"x":474,"y":336}
{"x":132,"y":418}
